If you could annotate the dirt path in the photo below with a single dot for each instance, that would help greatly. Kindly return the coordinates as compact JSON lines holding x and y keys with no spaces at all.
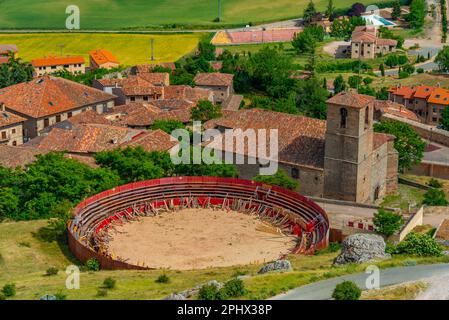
{"x":199,"y":238}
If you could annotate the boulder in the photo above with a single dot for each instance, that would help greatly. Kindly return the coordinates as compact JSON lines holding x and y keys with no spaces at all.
{"x":183,"y":295}
{"x":175,"y":296}
{"x":360,"y":248}
{"x":277,"y":266}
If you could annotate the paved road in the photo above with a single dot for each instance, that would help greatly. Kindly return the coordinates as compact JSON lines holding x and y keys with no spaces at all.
{"x":322,"y":290}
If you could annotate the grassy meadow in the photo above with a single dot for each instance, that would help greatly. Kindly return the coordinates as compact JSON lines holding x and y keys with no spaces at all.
{"x":118,"y":14}
{"x":25,"y":255}
{"x":130,"y":49}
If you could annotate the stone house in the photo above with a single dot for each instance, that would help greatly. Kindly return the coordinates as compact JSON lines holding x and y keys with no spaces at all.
{"x":48,"y":100}
{"x":11,"y":127}
{"x":365,"y":43}
{"x":48,"y":65}
{"x":341,"y":158}
{"x":221,"y":84}
{"x":102,"y":58}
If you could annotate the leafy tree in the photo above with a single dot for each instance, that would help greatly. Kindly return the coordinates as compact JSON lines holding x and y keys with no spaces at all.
{"x":207,"y":50}
{"x":354,"y":81}
{"x":382,"y":69}
{"x":435,"y":183}
{"x":442,"y":59}
{"x":167,"y":126}
{"x":311,"y":98}
{"x":280,"y":179}
{"x":444,"y":121}
{"x":205,"y":111}
{"x":435,"y":197}
{"x":9,"y":290}
{"x":9,"y":203}
{"x":330,"y":8}
{"x":356,"y":9}
{"x":387,"y":223}
{"x":304,"y":42}
{"x":309,"y":12}
{"x":339,"y":84}
{"x":15,"y":71}
{"x":396,"y":13}
{"x":408,"y":143}
{"x":347,"y":290}
{"x":382,"y":94}
{"x":419,"y":245}
{"x":417,"y":14}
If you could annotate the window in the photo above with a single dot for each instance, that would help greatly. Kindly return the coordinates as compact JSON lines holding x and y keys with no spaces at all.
{"x":14,"y":143}
{"x":58,"y":118}
{"x":132,"y":98}
{"x":46,"y":122}
{"x":295,"y":173}
{"x":53,"y":67}
{"x":366,"y":117}
{"x":69,"y":115}
{"x":13,"y":131}
{"x":343,"y":118}
{"x":145,"y":98}
{"x":3,"y":135}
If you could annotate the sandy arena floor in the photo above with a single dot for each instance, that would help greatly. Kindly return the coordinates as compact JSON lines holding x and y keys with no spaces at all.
{"x":198,"y":239}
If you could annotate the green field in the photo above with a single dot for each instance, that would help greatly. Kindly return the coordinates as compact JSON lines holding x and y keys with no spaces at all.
{"x":117,"y":14}
{"x":25,"y":255}
{"x":130,"y":49}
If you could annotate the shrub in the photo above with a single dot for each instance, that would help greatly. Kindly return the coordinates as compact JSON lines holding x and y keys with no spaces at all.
{"x":102,"y":293}
{"x":52,"y":271}
{"x":333,"y":247}
{"x":163,"y":279}
{"x":347,"y":290}
{"x":9,"y":290}
{"x":435,"y":197}
{"x":403,"y":74}
{"x":93,"y":264}
{"x":60,"y":296}
{"x":2,"y":297}
{"x":208,"y":292}
{"x":419,"y":245}
{"x":387,"y":223}
{"x":234,"y":288}
{"x":109,"y":283}
{"x":420,"y":70}
{"x":434,"y":183}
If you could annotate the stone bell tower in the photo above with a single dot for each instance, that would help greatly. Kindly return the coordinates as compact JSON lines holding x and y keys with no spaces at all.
{"x":349,"y":147}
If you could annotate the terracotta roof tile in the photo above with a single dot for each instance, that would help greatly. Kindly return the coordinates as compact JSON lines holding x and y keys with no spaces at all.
{"x":57,"y":61}
{"x":439,"y":96}
{"x":396,"y":109}
{"x":7,"y":48}
{"x":13,"y":157}
{"x":152,"y":140}
{"x":379,"y":139}
{"x":102,"y":56}
{"x":351,"y":99}
{"x":146,"y":68}
{"x":47,"y":95}
{"x":214,"y":79}
{"x":8,"y":118}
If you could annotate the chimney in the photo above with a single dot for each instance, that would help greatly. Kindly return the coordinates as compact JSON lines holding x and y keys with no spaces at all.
{"x":438,"y":85}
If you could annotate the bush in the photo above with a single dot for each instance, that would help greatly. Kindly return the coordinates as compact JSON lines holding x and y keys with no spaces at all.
{"x":434,"y":183}
{"x":163,"y":279}
{"x":419,"y":245}
{"x":109,"y":283}
{"x":93,"y":264}
{"x":52,"y":271}
{"x":347,"y":290}
{"x":403,"y":74}
{"x":435,"y":197}
{"x":234,"y":288}
{"x":2,"y":297}
{"x":333,"y":247}
{"x":208,"y":292}
{"x":60,"y":296}
{"x":420,"y":70}
{"x":9,"y":290}
{"x":102,"y":293}
{"x":387,"y":223}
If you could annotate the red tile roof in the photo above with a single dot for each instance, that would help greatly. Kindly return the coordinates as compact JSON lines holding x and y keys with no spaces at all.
{"x":214,"y":79}
{"x":301,"y":139}
{"x":439,"y":96}
{"x":142,"y":84}
{"x":7,"y":48}
{"x":395,"y":109}
{"x":13,"y":157}
{"x":152,"y":140}
{"x":8,"y":118}
{"x":406,"y":92}
{"x":146,"y":68}
{"x":47,"y":95}
{"x":350,"y":99}
{"x":423,"y":92}
{"x":379,"y":139}
{"x":102,"y":56}
{"x":56,"y":61}
{"x":216,"y":65}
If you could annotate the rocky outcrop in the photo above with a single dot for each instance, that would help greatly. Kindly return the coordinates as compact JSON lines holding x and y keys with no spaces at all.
{"x":277,"y":266}
{"x":360,"y":248}
{"x":183,"y":295}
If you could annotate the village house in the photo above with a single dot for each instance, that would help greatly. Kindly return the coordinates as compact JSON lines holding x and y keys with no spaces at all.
{"x":382,"y":107}
{"x":426,"y":102}
{"x":102,"y":58}
{"x":6,"y":50}
{"x":341,"y":158}
{"x":365,"y":43}
{"x":135,"y":88}
{"x":221,"y":84}
{"x":48,"y":100}
{"x":48,"y":65}
{"x":87,"y":139}
{"x":11,"y":127}
{"x":149,"y":68}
